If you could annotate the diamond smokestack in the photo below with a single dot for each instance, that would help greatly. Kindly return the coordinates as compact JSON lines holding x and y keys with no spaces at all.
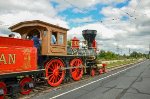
{"x":89,"y":36}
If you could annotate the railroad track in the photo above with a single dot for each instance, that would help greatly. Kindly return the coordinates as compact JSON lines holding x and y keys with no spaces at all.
{"x":42,"y":88}
{"x":45,"y":88}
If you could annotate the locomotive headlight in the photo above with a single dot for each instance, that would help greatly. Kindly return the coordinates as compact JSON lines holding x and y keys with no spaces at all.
{"x":1,"y":92}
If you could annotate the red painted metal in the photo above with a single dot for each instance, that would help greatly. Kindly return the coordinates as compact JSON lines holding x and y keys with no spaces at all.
{"x":92,"y":72}
{"x":76,"y":72}
{"x":75,"y":43}
{"x":23,"y":83}
{"x":5,"y":41}
{"x":101,"y":71}
{"x":3,"y":86}
{"x":54,"y":74}
{"x":94,"y":45}
{"x":104,"y":68}
{"x":17,"y":59}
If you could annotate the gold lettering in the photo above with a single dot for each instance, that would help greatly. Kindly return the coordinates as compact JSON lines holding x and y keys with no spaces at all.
{"x":27,"y":58}
{"x":74,"y":43}
{"x":11,"y":58}
{"x":77,"y":43}
{"x":3,"y":59}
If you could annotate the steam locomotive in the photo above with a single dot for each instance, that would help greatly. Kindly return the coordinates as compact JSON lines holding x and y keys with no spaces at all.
{"x":21,"y":67}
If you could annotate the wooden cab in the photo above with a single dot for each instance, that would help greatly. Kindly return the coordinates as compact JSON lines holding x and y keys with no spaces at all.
{"x":46,"y":32}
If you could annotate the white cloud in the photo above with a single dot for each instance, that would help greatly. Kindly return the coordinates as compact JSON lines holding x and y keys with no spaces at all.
{"x":14,"y":18}
{"x":82,"y":20}
{"x":41,"y":6}
{"x":111,"y":12}
{"x":14,"y":11}
{"x":102,"y":31}
{"x":133,"y":46}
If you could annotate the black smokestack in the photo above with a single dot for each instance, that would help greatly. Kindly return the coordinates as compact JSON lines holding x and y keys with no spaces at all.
{"x":89,"y":36}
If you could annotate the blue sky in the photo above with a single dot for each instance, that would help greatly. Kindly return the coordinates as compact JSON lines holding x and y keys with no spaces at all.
{"x":95,"y":13}
{"x":122,"y":4}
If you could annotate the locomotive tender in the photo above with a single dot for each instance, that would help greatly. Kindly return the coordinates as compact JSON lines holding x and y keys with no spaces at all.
{"x":21,"y":66}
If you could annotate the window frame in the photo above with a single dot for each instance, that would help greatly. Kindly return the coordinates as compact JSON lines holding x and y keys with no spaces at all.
{"x":61,"y":37}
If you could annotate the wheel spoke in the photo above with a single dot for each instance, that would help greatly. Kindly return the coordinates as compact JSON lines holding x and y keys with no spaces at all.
{"x":53,"y":79}
{"x":50,"y":75}
{"x":50,"y":72}
{"x":50,"y":68}
{"x":59,"y":76}
{"x":76,"y":63}
{"x":57,"y":64}
{"x":54,"y":65}
{"x":56,"y":79}
{"x":50,"y":78}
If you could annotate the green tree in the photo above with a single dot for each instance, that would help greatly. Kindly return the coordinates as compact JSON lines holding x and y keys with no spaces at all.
{"x":69,"y":42}
{"x":135,"y":54}
{"x":107,"y":55}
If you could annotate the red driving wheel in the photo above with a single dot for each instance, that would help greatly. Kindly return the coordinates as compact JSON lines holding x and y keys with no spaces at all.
{"x":3,"y":86}
{"x":54,"y":74}
{"x":93,"y":72}
{"x":23,"y":83}
{"x":76,"y":72}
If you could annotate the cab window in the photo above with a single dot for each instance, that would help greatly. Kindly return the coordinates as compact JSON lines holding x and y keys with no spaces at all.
{"x":54,"y":38}
{"x":61,"y":39}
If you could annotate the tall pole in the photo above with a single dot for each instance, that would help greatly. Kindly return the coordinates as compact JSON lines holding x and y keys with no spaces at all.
{"x":117,"y":48}
{"x":129,"y":51}
{"x":149,"y":52}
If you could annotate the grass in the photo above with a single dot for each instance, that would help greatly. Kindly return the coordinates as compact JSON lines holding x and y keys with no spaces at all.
{"x":120,"y":63}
